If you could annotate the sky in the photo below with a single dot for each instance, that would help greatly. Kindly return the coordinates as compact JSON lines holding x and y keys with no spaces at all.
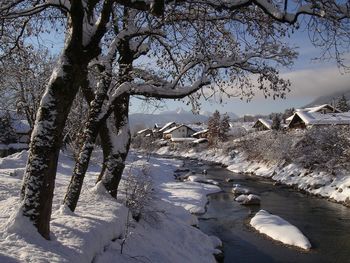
{"x":310,"y":79}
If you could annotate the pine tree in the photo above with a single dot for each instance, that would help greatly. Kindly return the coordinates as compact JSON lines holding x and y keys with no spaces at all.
{"x":7,"y":134}
{"x":342,"y":104}
{"x":276,"y":123}
{"x":224,"y":127}
{"x":214,"y":128}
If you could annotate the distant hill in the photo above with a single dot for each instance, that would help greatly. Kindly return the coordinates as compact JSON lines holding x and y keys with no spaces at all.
{"x":330,"y":97}
{"x":143,"y":120}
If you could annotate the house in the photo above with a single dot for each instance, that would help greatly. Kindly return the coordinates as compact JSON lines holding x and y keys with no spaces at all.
{"x":182,"y":131}
{"x":304,"y":119}
{"x":201,"y":134}
{"x":324,"y":109}
{"x":168,"y":126}
{"x":262,"y":125}
{"x":19,"y":125}
{"x":145,"y":132}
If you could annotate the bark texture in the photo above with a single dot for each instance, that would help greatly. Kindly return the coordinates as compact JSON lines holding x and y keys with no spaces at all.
{"x":115,"y":146}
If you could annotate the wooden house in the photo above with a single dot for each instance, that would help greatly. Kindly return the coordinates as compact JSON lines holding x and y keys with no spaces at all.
{"x":182,"y":131}
{"x":302,"y":120}
{"x":262,"y":125}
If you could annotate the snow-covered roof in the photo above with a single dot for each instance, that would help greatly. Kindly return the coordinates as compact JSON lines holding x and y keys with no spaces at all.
{"x":187,"y":139}
{"x":316,"y":118}
{"x":177,"y":127}
{"x":318,"y":108}
{"x":18,"y":121}
{"x":142,"y":131}
{"x":267,"y":123}
{"x":21,"y":126}
{"x":201,"y":140}
{"x":200,"y":132}
{"x":290,"y":118}
{"x":164,"y":128}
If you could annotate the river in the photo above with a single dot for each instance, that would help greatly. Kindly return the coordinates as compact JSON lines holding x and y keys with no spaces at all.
{"x":326,"y":224}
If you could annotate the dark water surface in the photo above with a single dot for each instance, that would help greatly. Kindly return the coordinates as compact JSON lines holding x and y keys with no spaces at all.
{"x":326,"y":224}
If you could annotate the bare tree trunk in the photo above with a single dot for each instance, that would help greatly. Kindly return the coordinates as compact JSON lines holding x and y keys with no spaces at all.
{"x":39,"y":180}
{"x":91,"y":130}
{"x":116,"y":146}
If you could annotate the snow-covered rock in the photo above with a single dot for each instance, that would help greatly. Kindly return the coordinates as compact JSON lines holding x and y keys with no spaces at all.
{"x":201,"y":179}
{"x":248,"y":199}
{"x":279,"y":229}
{"x":238,"y":189}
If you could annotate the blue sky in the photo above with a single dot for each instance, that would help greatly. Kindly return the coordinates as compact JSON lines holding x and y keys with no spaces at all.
{"x":310,"y":79}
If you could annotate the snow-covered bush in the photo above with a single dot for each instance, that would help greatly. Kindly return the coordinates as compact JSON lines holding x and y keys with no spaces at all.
{"x":325,"y":147}
{"x":138,"y":187}
{"x":271,"y":146}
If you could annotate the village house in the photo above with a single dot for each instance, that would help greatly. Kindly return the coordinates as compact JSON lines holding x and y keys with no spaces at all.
{"x":145,"y":132}
{"x":323,"y":109}
{"x":302,"y":119}
{"x":158,"y":132}
{"x":201,"y":134}
{"x":182,"y":131}
{"x":262,"y":125}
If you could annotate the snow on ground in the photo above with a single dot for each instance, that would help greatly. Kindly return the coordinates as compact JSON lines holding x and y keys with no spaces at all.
{"x":335,"y":187}
{"x":279,"y":229}
{"x":100,"y":225}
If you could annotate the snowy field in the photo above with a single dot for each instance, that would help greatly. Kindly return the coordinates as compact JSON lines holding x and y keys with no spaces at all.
{"x":333,"y":186}
{"x":101,"y":229}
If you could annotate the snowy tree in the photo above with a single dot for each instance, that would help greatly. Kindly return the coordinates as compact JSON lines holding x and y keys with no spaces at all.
{"x":23,"y":77}
{"x":287,"y":113}
{"x":188,"y":43}
{"x":224,"y":127}
{"x":342,"y":104}
{"x":218,"y":128}
{"x":7,"y":134}
{"x":214,"y":128}
{"x":276,"y":122}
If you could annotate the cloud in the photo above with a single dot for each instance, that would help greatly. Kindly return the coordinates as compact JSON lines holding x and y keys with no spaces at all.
{"x":317,"y":82}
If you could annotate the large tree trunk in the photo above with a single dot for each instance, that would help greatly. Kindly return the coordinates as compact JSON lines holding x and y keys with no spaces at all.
{"x":91,"y":130}
{"x":39,"y":180}
{"x":116,"y":146}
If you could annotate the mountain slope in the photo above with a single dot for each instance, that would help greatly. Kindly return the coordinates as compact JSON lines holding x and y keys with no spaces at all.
{"x":330,"y":98}
{"x":143,"y":120}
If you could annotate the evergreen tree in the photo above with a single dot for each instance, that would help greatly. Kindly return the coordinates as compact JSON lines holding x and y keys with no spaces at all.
{"x":224,"y":127}
{"x":276,"y":123}
{"x":214,"y":128}
{"x":342,"y":104}
{"x":287,"y":113}
{"x":7,"y":134}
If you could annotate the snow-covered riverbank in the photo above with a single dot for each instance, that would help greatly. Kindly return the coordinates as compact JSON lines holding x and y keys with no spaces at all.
{"x":99,"y":229}
{"x":335,"y":187}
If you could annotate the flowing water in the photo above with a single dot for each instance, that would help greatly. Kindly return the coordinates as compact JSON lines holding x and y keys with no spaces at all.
{"x":326,"y":224}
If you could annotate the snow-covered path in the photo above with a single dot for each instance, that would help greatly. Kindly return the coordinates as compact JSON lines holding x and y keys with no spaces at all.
{"x":164,"y":233}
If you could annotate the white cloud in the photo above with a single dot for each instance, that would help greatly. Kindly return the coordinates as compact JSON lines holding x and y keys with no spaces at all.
{"x":317,"y":82}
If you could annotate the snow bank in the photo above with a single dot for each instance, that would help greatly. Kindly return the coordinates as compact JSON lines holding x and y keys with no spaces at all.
{"x":335,"y":187}
{"x":279,"y":229}
{"x":98,"y":227}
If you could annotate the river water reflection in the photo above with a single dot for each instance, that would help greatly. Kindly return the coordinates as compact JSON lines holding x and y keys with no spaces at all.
{"x":326,"y":224}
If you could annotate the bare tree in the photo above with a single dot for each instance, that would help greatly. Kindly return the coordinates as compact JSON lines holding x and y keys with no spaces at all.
{"x":23,"y":78}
